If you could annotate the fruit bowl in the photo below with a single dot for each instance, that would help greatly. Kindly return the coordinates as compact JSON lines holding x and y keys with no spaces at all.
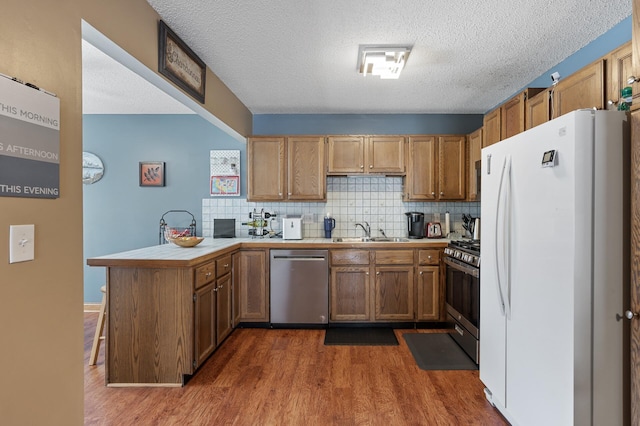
{"x":186,"y":241}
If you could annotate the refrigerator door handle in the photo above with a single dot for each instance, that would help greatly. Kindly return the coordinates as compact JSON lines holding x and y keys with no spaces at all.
{"x":506,"y":223}
{"x":498,"y":235}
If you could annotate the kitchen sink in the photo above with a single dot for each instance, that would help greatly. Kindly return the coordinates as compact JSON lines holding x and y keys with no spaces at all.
{"x":369,"y":240}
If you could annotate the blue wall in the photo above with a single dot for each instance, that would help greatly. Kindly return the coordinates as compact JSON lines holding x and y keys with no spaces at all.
{"x":374,"y":124}
{"x":120,"y":215}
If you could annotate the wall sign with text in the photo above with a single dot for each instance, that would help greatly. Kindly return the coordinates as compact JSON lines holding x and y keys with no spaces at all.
{"x":29,"y":141}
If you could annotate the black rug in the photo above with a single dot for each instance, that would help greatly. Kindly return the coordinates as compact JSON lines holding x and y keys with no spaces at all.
{"x":360,"y":336}
{"x":438,"y":351}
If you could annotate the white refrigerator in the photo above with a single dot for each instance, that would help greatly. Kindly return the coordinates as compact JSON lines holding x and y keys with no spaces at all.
{"x":553,"y":274}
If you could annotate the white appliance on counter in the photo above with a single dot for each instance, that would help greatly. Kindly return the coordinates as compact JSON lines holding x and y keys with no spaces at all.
{"x":292,"y":228}
{"x":554,"y":232}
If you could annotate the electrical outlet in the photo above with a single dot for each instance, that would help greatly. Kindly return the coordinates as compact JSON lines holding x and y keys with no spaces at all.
{"x":308,"y":218}
{"x":21,"y":243}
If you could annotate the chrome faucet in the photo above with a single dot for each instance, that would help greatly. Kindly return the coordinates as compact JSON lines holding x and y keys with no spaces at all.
{"x":367,"y":229}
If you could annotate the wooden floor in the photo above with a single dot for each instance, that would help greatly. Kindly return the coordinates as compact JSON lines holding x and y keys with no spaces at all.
{"x":288,"y":377}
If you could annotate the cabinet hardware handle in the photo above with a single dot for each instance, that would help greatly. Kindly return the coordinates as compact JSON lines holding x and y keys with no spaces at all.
{"x":279,"y":194}
{"x":361,"y":166}
{"x":421,"y":272}
{"x":433,"y":193}
{"x":208,"y":274}
{"x":221,"y":287}
{"x":289,"y":194}
{"x":226,"y":265}
{"x":441,"y":193}
{"x":627,"y":314}
{"x":377,"y":273}
{"x":371,"y":166}
{"x":429,"y":257}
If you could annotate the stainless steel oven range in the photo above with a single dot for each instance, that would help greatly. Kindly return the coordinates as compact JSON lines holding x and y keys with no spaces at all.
{"x":462,"y":260}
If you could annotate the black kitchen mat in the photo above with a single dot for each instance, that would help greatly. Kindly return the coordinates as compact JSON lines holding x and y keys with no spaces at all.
{"x":438,"y":351}
{"x":360,"y":336}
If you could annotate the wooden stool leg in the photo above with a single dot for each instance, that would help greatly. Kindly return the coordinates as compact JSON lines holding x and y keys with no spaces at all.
{"x":99,"y":329}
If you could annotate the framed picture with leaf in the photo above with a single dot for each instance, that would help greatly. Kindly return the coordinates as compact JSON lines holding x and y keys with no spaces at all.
{"x":151,"y":173}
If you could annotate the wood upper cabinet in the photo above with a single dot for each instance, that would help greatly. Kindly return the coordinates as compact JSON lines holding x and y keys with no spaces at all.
{"x":514,"y":112}
{"x":251,"y":282}
{"x":286,"y":169}
{"x":492,"y":127}
{"x":538,"y":109}
{"x":619,"y":69}
{"x":422,"y":160}
{"x":582,"y":89}
{"x":306,"y":177}
{"x":475,"y":147}
{"x":393,"y":290}
{"x":437,"y":168}
{"x":366,"y":154}
{"x":266,"y":169}
{"x":452,"y":172}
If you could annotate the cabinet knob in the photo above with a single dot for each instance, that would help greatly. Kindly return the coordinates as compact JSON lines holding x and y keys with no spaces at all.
{"x":377,"y":273}
{"x":627,"y":314}
{"x":208,"y":274}
{"x":632,"y":79}
{"x":215,"y":289}
{"x":289,"y":194}
{"x":433,"y":193}
{"x":441,"y":193}
{"x":421,"y":272}
{"x":226,"y":265}
{"x":280,"y":194}
{"x":429,"y":257}
{"x":221,"y":287}
{"x":371,"y":166}
{"x":361,"y":166}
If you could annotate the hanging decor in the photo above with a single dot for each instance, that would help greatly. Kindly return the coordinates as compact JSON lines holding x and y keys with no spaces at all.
{"x":225,"y":173}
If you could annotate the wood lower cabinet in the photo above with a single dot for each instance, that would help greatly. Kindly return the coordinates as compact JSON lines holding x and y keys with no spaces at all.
{"x":205,"y":322}
{"x":252,"y":286}
{"x":350,"y":285}
{"x":380,"y":285}
{"x":429,"y":286}
{"x":393,"y":290}
{"x":224,"y":309}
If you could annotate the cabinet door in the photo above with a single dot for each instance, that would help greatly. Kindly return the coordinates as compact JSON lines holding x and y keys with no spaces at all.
{"x":452,"y":154}
{"x":428,"y":289}
{"x":385,"y":154}
{"x":253,"y":286}
{"x":394,"y":293}
{"x":350,"y":293}
{"x":205,"y":317}
{"x":223,"y":308}
{"x":619,"y":68}
{"x":421,"y":180}
{"x":235,"y":290}
{"x":582,"y":89}
{"x":346,"y":154}
{"x":265,"y":169}
{"x":491,"y":128}
{"x":306,"y":176}
{"x":538,"y":110}
{"x":475,"y":147}
{"x":512,"y":116}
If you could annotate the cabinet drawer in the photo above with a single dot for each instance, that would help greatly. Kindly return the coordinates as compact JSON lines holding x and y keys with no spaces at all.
{"x":394,"y":257}
{"x":223,"y":265}
{"x":429,"y":257}
{"x":205,"y":273}
{"x":349,"y":257}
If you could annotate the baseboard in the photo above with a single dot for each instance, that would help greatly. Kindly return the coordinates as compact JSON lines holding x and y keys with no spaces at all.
{"x":92,"y":307}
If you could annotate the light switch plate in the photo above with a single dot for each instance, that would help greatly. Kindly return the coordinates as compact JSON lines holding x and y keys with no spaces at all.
{"x":21,"y":243}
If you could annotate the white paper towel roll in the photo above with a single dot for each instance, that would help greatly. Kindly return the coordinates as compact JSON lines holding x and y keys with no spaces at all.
{"x":446,"y":224}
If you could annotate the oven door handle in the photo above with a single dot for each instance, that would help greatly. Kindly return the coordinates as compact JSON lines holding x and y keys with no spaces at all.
{"x":462,"y":267}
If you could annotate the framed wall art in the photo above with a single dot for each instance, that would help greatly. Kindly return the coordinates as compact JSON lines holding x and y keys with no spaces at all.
{"x":151,"y":173}
{"x":178,"y":63}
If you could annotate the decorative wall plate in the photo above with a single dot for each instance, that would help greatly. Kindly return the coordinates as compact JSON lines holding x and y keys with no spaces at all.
{"x":92,"y":168}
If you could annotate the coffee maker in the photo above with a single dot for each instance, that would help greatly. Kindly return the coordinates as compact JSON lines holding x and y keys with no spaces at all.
{"x":415,"y":224}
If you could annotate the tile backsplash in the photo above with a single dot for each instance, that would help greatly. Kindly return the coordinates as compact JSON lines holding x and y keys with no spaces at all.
{"x":376,"y":200}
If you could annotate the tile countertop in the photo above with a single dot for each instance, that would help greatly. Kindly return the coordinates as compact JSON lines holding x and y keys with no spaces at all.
{"x":171,"y":255}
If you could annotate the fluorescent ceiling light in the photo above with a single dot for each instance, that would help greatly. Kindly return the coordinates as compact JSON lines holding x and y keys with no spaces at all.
{"x":384,"y":61}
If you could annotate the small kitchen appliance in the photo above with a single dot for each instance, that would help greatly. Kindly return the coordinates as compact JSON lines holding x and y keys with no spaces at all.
{"x":415,"y":224}
{"x":434,"y":230}
{"x":292,"y":228}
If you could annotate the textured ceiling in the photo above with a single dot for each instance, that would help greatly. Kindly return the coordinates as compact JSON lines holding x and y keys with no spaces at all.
{"x":300,"y":56}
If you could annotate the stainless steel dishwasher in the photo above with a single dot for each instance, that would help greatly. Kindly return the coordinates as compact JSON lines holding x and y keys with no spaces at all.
{"x":299,"y":287}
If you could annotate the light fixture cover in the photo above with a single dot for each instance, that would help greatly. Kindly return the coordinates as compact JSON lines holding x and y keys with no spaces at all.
{"x":384,"y":61}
